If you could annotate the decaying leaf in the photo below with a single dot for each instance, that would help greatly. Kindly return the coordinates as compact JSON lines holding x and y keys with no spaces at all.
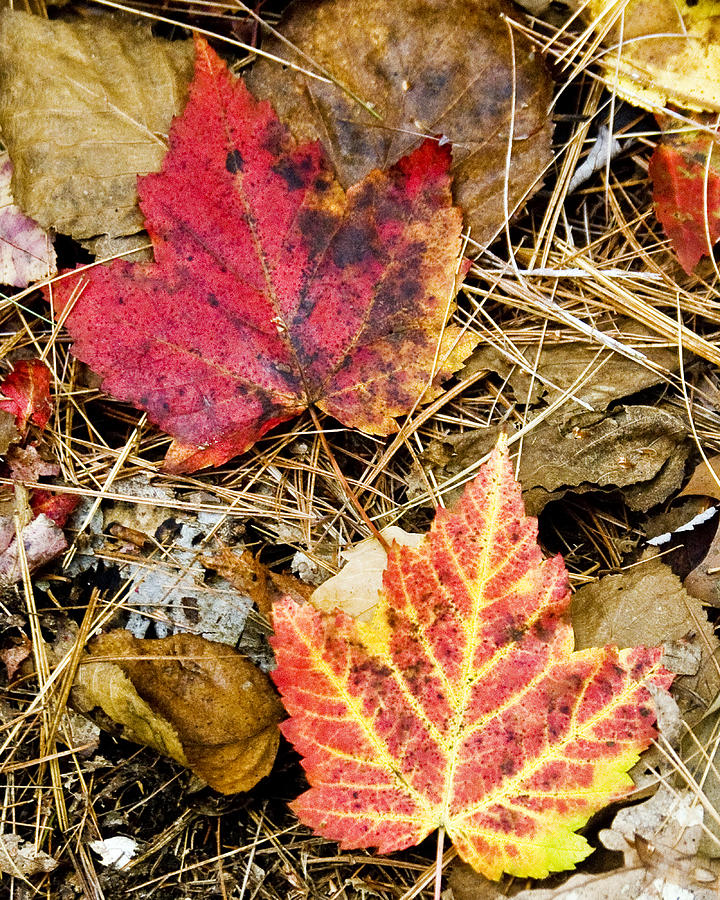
{"x":660,"y":52}
{"x":641,"y":449}
{"x":685,"y":174}
{"x":596,"y":375}
{"x":422,"y":67}
{"x":703,"y":482}
{"x":704,"y":580}
{"x":85,"y":107}
{"x":273,"y":289}
{"x":648,"y":603}
{"x":461,"y":705}
{"x":246,"y":573}
{"x":26,"y":250}
{"x":42,"y":539}
{"x":356,"y":588}
{"x":196,"y":701}
{"x":8,"y":432}
{"x":21,"y":858}
{"x":660,"y":840}
{"x":26,"y":393}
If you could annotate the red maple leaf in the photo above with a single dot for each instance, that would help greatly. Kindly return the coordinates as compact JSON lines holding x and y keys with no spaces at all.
{"x":26,"y":392}
{"x":462,"y":704}
{"x":686,"y":193}
{"x":273,"y":289}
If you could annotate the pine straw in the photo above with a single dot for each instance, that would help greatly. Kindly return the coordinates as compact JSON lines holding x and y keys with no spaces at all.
{"x":563,"y":270}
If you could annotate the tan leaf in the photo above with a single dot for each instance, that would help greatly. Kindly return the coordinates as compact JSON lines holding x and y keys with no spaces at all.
{"x":199,"y":702}
{"x":704,"y":481}
{"x":355,"y":588}
{"x":84,"y":108}
{"x":427,"y":67}
{"x":660,"y":51}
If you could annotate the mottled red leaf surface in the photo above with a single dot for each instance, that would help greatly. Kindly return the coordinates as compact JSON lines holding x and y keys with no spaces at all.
{"x":272,"y":288}
{"x":462,"y":704}
{"x":26,"y":393}
{"x":686,"y":189}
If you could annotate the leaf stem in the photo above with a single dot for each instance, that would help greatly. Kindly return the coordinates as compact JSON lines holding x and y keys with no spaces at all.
{"x":349,"y":493}
{"x":439,"y":863}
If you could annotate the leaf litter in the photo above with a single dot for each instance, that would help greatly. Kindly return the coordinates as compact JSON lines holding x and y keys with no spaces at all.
{"x":564,"y":273}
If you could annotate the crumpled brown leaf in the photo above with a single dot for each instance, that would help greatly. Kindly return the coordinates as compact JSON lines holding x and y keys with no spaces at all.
{"x":84,"y":108}
{"x":248,"y":575}
{"x":648,"y":604}
{"x":194,"y":700}
{"x":641,"y":449}
{"x":427,"y":67}
{"x":603,"y":375}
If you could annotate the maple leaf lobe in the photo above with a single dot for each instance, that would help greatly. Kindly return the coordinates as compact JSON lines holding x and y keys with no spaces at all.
{"x":462,"y":704}
{"x":273,"y":289}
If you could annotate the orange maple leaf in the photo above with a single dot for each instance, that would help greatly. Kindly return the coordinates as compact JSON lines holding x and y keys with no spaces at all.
{"x":462,"y":704}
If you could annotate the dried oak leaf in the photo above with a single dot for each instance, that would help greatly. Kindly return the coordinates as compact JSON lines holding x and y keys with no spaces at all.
{"x":685,"y":174}
{"x":197,"y":701}
{"x":660,"y":51}
{"x":26,"y":393}
{"x":273,"y":289}
{"x":461,"y":705}
{"x":85,"y":108}
{"x":423,"y":67}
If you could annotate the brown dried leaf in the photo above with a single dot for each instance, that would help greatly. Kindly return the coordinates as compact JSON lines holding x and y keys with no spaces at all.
{"x":603,"y":376}
{"x":84,"y":108}
{"x":641,"y":449}
{"x":427,"y":67}
{"x":648,"y":603}
{"x":249,"y":576}
{"x":199,"y":702}
{"x":703,"y":483}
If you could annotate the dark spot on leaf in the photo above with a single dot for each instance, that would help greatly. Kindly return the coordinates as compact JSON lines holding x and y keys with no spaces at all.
{"x":294,"y":172}
{"x":213,"y":300}
{"x":352,"y":244}
{"x":317,"y":227}
{"x":234,"y":162}
{"x":276,"y":138}
{"x":645,"y":712}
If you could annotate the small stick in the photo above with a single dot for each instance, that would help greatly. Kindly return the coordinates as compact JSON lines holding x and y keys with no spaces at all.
{"x":349,"y":493}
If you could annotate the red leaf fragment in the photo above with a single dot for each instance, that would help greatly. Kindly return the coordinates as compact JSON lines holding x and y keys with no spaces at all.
{"x":27,"y":393}
{"x":57,"y":507}
{"x":462,"y":704}
{"x":686,"y":192}
{"x":273,"y":289}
